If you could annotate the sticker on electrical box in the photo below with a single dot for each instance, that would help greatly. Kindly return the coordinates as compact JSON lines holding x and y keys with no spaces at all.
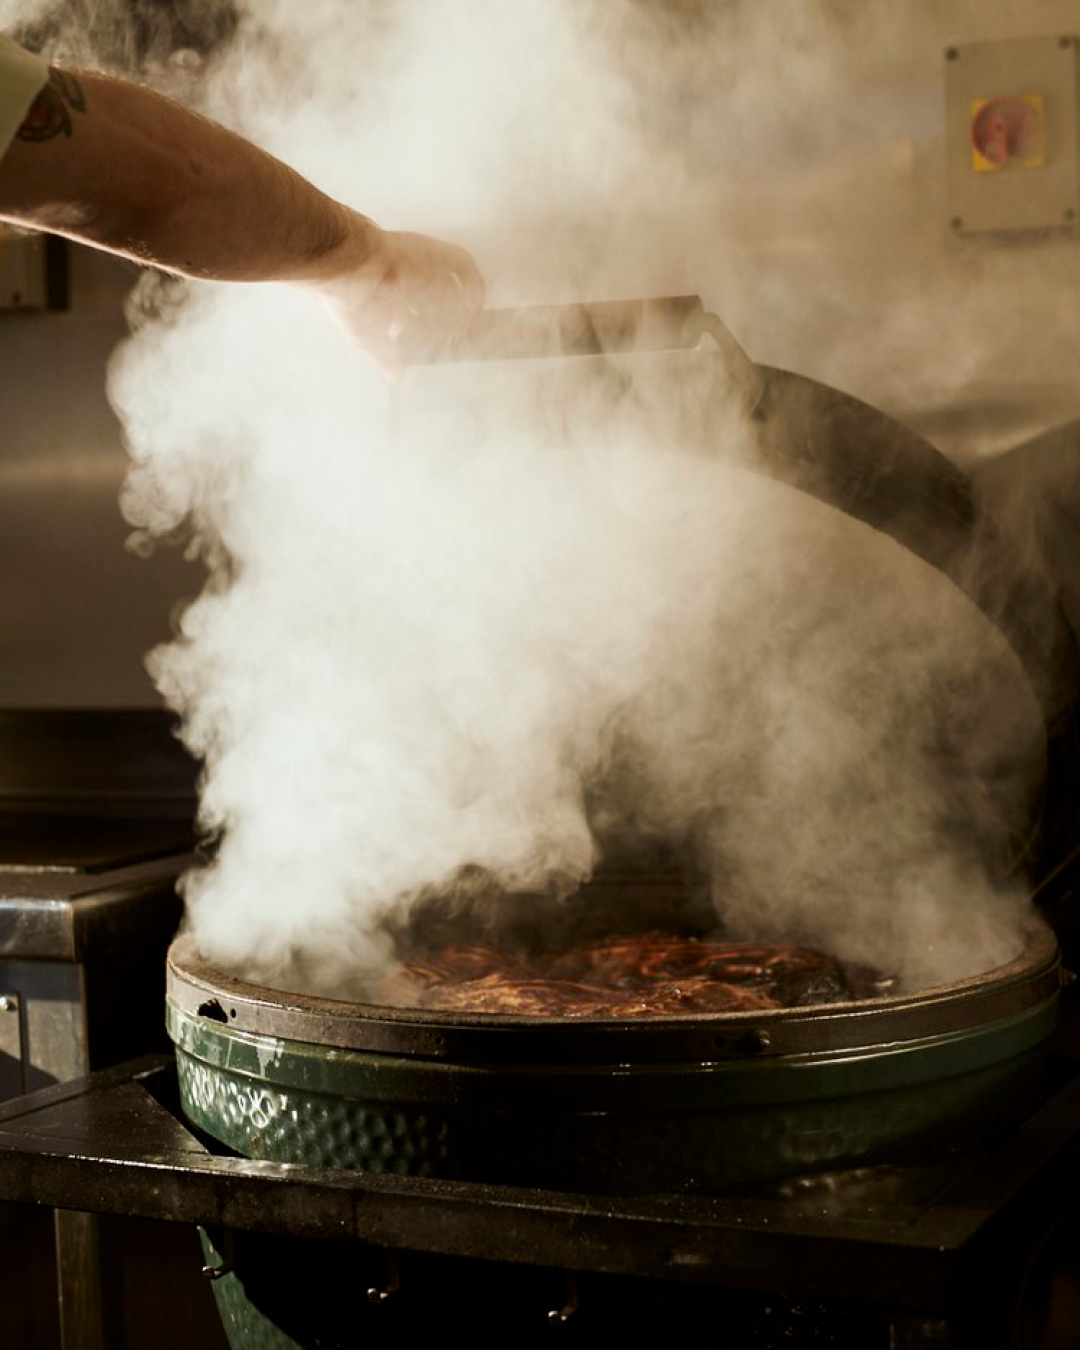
{"x":1008,"y":133}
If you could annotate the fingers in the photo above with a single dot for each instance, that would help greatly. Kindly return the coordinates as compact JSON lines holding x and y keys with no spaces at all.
{"x":440,"y":293}
{"x":466,"y":277}
{"x":384,"y":352}
{"x":408,"y":307}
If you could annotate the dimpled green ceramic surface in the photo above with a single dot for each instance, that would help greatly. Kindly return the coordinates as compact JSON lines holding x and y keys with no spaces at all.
{"x":612,"y":1128}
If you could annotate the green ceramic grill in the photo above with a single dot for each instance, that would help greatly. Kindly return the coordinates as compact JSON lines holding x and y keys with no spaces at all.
{"x":710,"y":1103}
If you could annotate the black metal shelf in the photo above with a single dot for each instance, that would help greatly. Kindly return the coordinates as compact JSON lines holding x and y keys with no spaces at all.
{"x":920,"y":1239}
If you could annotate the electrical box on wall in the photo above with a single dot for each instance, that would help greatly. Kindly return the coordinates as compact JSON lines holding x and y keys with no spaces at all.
{"x":33,"y":270}
{"x":1012,"y":142}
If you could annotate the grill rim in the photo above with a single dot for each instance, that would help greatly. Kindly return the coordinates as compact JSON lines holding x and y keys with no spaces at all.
{"x":198,"y":988}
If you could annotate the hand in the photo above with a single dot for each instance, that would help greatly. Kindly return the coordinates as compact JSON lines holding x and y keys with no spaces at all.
{"x":407,"y":300}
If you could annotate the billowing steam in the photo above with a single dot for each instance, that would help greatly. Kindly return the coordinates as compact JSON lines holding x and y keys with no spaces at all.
{"x":484,"y":621}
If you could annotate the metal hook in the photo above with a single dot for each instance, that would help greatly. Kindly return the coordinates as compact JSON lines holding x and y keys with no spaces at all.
{"x":223,"y":1244}
{"x":560,"y":1316}
{"x":393,"y":1280}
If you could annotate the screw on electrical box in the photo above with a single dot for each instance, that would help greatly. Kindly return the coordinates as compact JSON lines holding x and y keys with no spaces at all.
{"x":1065,"y":42}
{"x":957,"y":223}
{"x":952,"y":54}
{"x":1070,"y":214}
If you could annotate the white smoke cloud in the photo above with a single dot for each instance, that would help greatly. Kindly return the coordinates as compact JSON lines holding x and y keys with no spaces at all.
{"x":444,"y":623}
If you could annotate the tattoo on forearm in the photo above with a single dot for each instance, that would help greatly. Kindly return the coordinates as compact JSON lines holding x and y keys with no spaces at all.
{"x":50,"y":113}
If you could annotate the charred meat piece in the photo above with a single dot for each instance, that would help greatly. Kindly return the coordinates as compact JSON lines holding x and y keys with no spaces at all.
{"x":637,"y":975}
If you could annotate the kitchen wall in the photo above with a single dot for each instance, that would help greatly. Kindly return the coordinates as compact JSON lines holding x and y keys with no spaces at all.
{"x":77,"y":609}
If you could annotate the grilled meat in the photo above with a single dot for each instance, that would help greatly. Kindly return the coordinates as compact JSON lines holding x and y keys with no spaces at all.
{"x":637,"y":975}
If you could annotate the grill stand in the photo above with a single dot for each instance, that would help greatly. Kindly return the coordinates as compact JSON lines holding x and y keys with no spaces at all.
{"x":923,"y":1252}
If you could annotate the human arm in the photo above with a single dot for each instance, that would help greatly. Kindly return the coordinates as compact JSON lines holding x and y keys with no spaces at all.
{"x":120,"y":167}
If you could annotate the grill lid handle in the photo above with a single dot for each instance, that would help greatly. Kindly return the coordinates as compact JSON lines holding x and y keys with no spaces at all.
{"x":666,"y":323}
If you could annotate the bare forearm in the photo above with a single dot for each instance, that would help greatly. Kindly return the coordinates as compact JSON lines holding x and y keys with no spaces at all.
{"x":120,"y":167}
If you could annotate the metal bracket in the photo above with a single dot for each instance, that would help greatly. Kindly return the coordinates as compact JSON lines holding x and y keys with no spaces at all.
{"x":560,"y":1316}
{"x":12,"y":1076}
{"x":393,"y":1280}
{"x":222,"y":1242}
